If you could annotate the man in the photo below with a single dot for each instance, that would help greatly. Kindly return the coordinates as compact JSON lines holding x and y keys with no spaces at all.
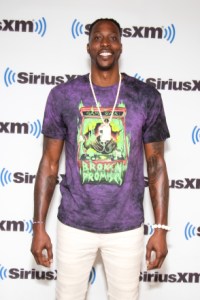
{"x":105,"y":119}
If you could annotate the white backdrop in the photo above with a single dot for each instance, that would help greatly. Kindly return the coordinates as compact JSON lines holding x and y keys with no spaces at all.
{"x":44,"y":42}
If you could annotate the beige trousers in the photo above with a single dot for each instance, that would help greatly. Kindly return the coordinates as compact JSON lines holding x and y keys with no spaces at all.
{"x":76,"y":252}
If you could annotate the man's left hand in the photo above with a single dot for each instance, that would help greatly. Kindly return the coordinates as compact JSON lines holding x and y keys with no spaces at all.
{"x":157,"y":244}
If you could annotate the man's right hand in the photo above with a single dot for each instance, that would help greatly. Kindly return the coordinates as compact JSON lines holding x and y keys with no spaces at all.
{"x":41,"y":248}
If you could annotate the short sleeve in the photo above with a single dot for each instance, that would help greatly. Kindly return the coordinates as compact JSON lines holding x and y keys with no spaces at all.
{"x":155,"y":128}
{"x":53,"y":125}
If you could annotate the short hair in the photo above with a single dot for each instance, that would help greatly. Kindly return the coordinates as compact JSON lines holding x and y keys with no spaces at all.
{"x":105,"y":19}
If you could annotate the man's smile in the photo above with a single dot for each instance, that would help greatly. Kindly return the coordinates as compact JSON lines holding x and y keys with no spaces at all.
{"x":105,"y":53}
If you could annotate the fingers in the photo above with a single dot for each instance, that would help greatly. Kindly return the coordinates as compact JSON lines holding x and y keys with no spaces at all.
{"x":156,"y":251}
{"x":42,"y":253}
{"x":42,"y":258}
{"x":50,"y":255}
{"x":148,"y":257}
{"x":156,"y":262}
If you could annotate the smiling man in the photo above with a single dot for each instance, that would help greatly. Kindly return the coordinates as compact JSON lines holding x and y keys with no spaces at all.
{"x":104,"y":48}
{"x":105,"y":119}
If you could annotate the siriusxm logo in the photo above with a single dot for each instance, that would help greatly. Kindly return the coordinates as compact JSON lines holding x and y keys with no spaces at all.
{"x":33,"y":128}
{"x":76,"y":29}
{"x":34,"y":26}
{"x":170,"y":84}
{"x":168,"y":33}
{"x":7,"y":177}
{"x":22,"y":226}
{"x":92,"y":276}
{"x":191,"y":231}
{"x":15,"y":273}
{"x":178,"y":277}
{"x":196,"y":135}
{"x":11,"y":77}
{"x":186,"y":183}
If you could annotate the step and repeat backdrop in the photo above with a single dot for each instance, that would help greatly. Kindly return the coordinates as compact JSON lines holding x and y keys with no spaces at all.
{"x":42,"y":44}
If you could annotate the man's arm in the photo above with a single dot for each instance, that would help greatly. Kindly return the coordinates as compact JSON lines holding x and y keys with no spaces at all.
{"x":44,"y":187}
{"x":159,"y":193}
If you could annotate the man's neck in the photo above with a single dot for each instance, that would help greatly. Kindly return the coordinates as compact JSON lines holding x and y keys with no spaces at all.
{"x":105,"y":78}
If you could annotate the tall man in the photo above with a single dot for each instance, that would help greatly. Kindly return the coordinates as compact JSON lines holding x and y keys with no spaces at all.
{"x":105,"y":119}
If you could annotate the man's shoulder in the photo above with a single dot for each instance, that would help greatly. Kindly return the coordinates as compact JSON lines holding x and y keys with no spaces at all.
{"x":140,"y":86}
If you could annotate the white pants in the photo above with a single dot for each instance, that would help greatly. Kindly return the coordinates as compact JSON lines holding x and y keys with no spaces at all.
{"x":76,"y":252}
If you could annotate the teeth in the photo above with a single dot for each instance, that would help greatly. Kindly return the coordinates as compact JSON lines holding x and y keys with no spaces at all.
{"x":105,"y":54}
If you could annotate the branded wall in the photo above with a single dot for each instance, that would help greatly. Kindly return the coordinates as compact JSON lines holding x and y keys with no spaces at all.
{"x":43,"y":43}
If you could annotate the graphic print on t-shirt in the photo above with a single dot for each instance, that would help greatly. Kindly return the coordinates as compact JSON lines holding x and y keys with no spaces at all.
{"x":102,"y":148}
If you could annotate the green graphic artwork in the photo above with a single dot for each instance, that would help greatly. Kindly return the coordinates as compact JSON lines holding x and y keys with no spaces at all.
{"x":102,"y":148}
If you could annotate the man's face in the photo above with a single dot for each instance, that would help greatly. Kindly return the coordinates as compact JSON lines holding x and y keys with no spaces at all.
{"x":104,"y":45}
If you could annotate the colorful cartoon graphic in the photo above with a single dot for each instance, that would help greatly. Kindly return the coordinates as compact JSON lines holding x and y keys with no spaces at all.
{"x":102,"y":147}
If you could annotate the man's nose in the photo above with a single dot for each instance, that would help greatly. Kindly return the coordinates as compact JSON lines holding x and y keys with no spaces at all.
{"x":105,"y":41}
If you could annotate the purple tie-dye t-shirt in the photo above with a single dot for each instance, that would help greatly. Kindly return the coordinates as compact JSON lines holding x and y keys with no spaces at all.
{"x":103,"y":188}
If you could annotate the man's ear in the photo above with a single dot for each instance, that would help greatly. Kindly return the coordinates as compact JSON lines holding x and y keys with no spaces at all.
{"x":121,"y":48}
{"x":88,"y":48}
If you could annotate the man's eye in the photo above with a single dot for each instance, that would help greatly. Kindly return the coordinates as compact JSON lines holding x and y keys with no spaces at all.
{"x":96,"y":38}
{"x":113,"y":38}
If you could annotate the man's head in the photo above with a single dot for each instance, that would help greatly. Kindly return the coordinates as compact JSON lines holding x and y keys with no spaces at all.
{"x":104,"y":44}
{"x":104,"y":19}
